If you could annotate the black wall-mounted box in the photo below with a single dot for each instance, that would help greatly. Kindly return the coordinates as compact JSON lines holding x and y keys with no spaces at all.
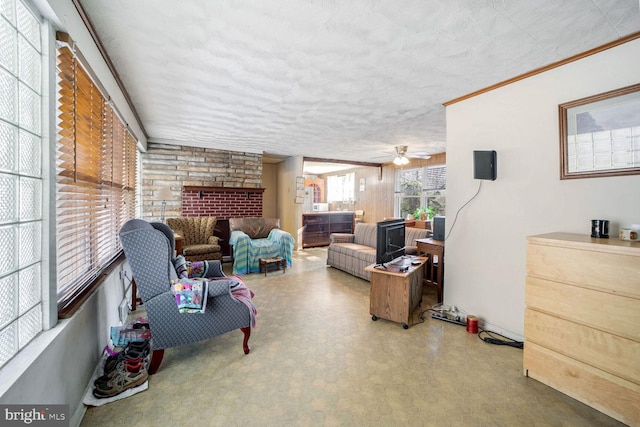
{"x":485,"y":165}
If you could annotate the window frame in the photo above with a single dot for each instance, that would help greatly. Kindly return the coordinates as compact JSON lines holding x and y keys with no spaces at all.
{"x":424,"y":194}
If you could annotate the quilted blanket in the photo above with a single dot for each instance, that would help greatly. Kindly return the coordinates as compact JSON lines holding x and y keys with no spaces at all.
{"x":247,"y":251}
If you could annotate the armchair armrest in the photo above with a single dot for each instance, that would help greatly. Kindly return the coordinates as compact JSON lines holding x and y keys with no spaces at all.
{"x":341,"y":238}
{"x":221,"y":286}
{"x":214,"y":240}
{"x":238,"y":236}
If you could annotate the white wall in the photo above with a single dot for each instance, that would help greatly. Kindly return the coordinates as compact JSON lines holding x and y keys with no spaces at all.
{"x":56,"y":367}
{"x":270,"y":184}
{"x":485,"y":252}
{"x":288,"y":211}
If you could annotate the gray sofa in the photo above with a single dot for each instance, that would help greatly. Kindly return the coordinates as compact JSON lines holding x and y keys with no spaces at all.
{"x":354,"y":252}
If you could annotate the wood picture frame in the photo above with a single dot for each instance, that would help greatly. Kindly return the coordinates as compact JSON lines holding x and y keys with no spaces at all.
{"x":600,"y":135}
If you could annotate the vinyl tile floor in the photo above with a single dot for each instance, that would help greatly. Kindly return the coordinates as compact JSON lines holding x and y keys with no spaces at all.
{"x":318,"y":359}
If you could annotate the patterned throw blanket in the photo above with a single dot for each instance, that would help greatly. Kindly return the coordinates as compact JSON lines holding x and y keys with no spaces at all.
{"x":245,"y":296}
{"x":247,"y":251}
{"x":242,"y":294}
{"x":213,"y":271}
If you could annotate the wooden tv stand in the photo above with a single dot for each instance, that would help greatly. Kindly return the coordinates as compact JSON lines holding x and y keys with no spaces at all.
{"x":395,"y":294}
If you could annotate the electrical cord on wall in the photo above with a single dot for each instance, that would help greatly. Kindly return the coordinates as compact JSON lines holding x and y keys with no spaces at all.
{"x":456,"y":217}
{"x":491,"y":337}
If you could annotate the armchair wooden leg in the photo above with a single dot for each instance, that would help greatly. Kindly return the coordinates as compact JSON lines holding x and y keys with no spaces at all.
{"x":245,"y":343}
{"x":156,"y":360}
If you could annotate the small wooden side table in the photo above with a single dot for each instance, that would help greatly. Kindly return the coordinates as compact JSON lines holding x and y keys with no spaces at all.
{"x":394,"y":293}
{"x":277,"y":261}
{"x":178,"y":238}
{"x":433,"y":250}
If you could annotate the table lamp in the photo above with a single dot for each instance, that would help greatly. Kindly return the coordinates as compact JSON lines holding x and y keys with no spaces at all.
{"x":164,"y":194}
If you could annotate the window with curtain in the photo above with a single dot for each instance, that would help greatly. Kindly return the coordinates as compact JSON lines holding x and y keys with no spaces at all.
{"x":21,"y":182}
{"x":95,"y":177}
{"x":340,"y":188}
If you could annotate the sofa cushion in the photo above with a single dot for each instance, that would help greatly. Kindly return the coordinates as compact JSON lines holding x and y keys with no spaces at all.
{"x":411,"y":234}
{"x":365,"y":234}
{"x":364,"y":253}
{"x":255,"y":228}
{"x":200,"y":249}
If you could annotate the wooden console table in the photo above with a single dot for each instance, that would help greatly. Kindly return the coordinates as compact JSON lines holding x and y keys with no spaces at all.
{"x":395,"y":294}
{"x":433,"y":250}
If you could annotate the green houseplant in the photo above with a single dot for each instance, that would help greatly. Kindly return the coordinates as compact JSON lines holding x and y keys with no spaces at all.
{"x":424,"y":212}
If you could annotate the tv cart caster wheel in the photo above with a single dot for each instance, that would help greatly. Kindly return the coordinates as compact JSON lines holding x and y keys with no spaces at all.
{"x":374,"y":317}
{"x":405,"y":326}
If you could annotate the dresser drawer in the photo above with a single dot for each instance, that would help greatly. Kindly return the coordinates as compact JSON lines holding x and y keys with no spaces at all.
{"x":608,"y":312}
{"x":610,"y":272}
{"x":607,"y":352}
{"x":607,"y":393}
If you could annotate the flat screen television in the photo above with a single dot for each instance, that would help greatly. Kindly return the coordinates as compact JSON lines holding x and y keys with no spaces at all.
{"x":389,"y":240}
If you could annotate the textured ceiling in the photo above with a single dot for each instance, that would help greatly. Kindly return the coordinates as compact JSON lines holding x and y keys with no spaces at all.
{"x":332,"y":79}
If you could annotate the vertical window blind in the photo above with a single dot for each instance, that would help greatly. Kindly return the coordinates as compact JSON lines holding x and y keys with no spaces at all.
{"x":95,"y":176}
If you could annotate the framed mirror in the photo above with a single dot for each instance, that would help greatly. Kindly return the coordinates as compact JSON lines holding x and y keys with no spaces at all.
{"x":600,"y":135}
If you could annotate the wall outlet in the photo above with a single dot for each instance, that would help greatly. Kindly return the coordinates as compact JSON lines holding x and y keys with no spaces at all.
{"x":123,"y":311}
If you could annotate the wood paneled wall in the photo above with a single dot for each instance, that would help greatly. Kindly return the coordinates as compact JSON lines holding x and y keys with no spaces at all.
{"x":377,"y":199}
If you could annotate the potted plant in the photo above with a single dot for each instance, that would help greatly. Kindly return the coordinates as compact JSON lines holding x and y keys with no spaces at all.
{"x":423,"y":213}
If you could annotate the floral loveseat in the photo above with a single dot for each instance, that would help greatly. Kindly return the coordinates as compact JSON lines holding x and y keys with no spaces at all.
{"x":255,"y":238}
{"x":354,"y":252}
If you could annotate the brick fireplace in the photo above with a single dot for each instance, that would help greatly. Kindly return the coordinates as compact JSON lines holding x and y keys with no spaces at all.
{"x":223,"y":203}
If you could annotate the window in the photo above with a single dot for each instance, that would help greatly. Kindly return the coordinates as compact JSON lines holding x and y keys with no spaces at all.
{"x":340,"y":188}
{"x":95,"y":177}
{"x":317,"y":193}
{"x":21,"y":182}
{"x":420,"y":187}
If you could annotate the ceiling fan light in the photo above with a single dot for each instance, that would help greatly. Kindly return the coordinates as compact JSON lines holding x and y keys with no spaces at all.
{"x":400,"y":161}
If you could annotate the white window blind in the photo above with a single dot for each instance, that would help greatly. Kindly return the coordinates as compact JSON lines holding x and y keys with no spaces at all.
{"x":95,"y":177}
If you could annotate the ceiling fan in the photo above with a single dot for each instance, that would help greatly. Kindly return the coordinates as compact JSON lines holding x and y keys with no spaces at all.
{"x":402,"y":158}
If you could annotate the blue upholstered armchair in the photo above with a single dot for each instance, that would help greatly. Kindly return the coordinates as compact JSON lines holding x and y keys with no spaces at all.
{"x":148,"y":248}
{"x":255,"y":238}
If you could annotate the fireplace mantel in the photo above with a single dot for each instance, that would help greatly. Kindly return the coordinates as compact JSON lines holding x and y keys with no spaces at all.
{"x":223,"y":189}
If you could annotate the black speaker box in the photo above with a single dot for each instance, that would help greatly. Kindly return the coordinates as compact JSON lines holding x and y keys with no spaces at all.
{"x":485,"y":165}
{"x":438,"y":228}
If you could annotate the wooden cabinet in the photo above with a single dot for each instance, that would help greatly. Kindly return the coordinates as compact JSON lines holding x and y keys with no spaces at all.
{"x":317,"y":227}
{"x":581,"y":320}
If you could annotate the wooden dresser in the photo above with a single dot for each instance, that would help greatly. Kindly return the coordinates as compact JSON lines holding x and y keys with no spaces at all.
{"x":582,"y":320}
